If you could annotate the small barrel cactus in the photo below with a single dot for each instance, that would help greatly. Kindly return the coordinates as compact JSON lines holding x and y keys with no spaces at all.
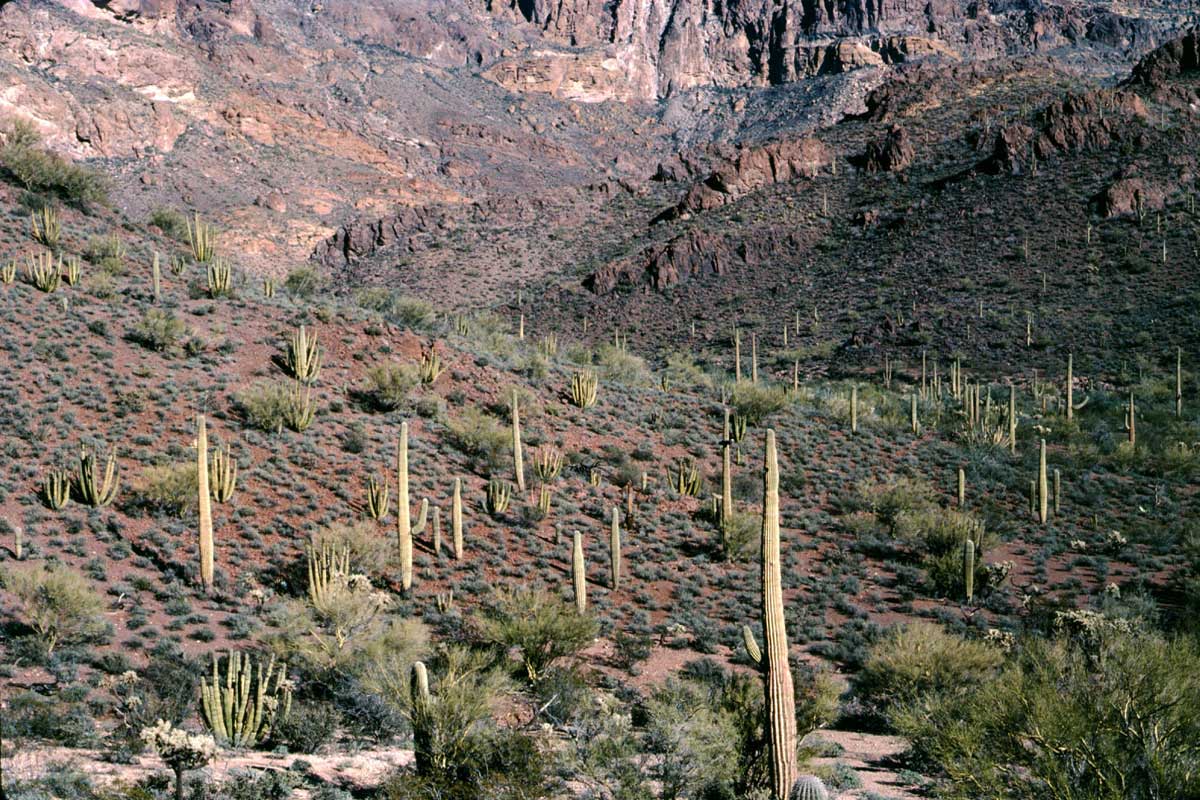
{"x":808,"y":787}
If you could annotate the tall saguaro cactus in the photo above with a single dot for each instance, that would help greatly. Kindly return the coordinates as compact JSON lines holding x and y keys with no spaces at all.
{"x":1070,"y":387}
{"x":614,"y":547}
{"x":1179,"y":381}
{"x":854,"y":409}
{"x":1012,"y":418}
{"x":579,"y":573}
{"x":1043,"y":490}
{"x":726,"y":483}
{"x":518,"y":461}
{"x":456,"y":520}
{"x":780,"y":694}
{"x":206,"y":526}
{"x":403,"y":510}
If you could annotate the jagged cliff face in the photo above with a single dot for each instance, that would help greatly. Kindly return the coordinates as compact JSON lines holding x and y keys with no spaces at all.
{"x":653,"y":48}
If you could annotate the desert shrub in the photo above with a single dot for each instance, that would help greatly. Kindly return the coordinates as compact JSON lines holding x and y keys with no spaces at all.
{"x":308,"y":728}
{"x":266,"y":784}
{"x":695,"y":741}
{"x":756,"y":402}
{"x":158,"y":330}
{"x":369,"y":552}
{"x":302,"y":282}
{"x":540,"y":626}
{"x":481,"y":436}
{"x":171,"y":222}
{"x":169,"y":488}
{"x":1064,"y":722}
{"x":505,"y":764}
{"x":918,"y":658}
{"x":108,"y":253}
{"x":408,"y":312}
{"x":264,"y":405}
{"x":388,"y":385}
{"x":58,"y":603}
{"x":621,"y":366}
{"x":63,"y":718}
{"x":893,"y":498}
{"x":39,"y":170}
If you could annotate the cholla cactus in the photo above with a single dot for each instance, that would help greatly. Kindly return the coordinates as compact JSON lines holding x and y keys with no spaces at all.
{"x":179,"y":750}
{"x":241,"y":706}
{"x":303,"y":357}
{"x":96,"y":492}
{"x":584,"y":386}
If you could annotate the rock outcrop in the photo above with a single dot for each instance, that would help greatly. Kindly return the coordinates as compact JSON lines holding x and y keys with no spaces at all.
{"x":892,"y":153}
{"x":1176,"y":57}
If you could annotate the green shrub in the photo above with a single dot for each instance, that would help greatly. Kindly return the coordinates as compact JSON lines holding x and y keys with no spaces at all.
{"x":1065,"y":722}
{"x":918,"y":658}
{"x":159,"y":330}
{"x":481,"y":436}
{"x":171,"y":222}
{"x":108,"y":253}
{"x":541,"y":627}
{"x":388,"y":385}
{"x":303,"y":282}
{"x":307,"y":728}
{"x":59,"y":604}
{"x":265,"y":405}
{"x":756,"y":402}
{"x":169,"y":488}
{"x":39,"y":170}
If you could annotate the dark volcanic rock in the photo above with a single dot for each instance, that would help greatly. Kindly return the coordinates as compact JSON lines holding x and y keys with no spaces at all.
{"x":892,"y":153}
{"x":1173,"y":59}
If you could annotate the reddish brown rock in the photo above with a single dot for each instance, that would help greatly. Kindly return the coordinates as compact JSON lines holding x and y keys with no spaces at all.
{"x":892,"y":153}
{"x":1130,"y":195}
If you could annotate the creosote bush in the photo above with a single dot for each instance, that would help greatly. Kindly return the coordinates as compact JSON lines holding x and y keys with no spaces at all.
{"x":540,"y":626}
{"x":59,"y":604}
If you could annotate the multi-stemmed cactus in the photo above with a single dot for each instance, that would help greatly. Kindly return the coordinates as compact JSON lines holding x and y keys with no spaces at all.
{"x":403,"y":509}
{"x":43,"y":272}
{"x":777,"y":671}
{"x":687,"y":479}
{"x":584,"y":386}
{"x":56,"y":488}
{"x":378,"y":498}
{"x":202,"y":239}
{"x":204,"y":499}
{"x":498,"y":497}
{"x":8,"y":273}
{"x":303,"y":356}
{"x":71,"y":271}
{"x":328,"y":566}
{"x":45,"y":228}
{"x":518,"y":459}
{"x":244,"y":704}
{"x":220,"y":278}
{"x":430,"y":367}
{"x":547,"y":464}
{"x":93,"y":490}
{"x":300,"y":410}
{"x":222,"y":474}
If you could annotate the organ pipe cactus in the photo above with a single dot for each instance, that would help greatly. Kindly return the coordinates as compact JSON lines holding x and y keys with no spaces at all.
{"x":222,"y":474}
{"x":518,"y":459}
{"x":403,"y":509}
{"x":328,"y":565}
{"x":70,"y":271}
{"x":780,"y":693}
{"x":8,"y":273}
{"x":687,"y":481}
{"x":202,"y":239}
{"x":303,"y":357}
{"x":547,"y":464}
{"x":56,"y":488}
{"x":220,"y":278}
{"x":378,"y":498}
{"x":204,"y":499}
{"x":45,"y":228}
{"x":299,"y":411}
{"x":497,"y":498}
{"x":244,"y":704}
{"x":430,"y":367}
{"x":94,"y":491}
{"x":584,"y":386}
{"x":42,"y":271}
{"x":579,"y":573}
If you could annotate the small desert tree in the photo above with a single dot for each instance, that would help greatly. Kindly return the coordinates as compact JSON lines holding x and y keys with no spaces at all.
{"x":179,"y":750}
{"x":56,"y":602}
{"x":543,"y":628}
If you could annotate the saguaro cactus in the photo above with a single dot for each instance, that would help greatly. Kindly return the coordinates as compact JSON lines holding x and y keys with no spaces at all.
{"x":1179,"y":381}
{"x":403,"y":509}
{"x":726,"y":483}
{"x":422,"y":710}
{"x":754,"y":358}
{"x":206,"y":526}
{"x":437,"y":530}
{"x":579,"y":573}
{"x":1043,"y":487}
{"x":518,"y":461}
{"x":780,"y":694}
{"x":1012,"y":419}
{"x":962,"y":487}
{"x":1057,"y":491}
{"x":969,"y":568}
{"x":854,"y":409}
{"x":614,"y":549}
{"x":913,"y":421}
{"x":456,"y":520}
{"x":1131,"y":421}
